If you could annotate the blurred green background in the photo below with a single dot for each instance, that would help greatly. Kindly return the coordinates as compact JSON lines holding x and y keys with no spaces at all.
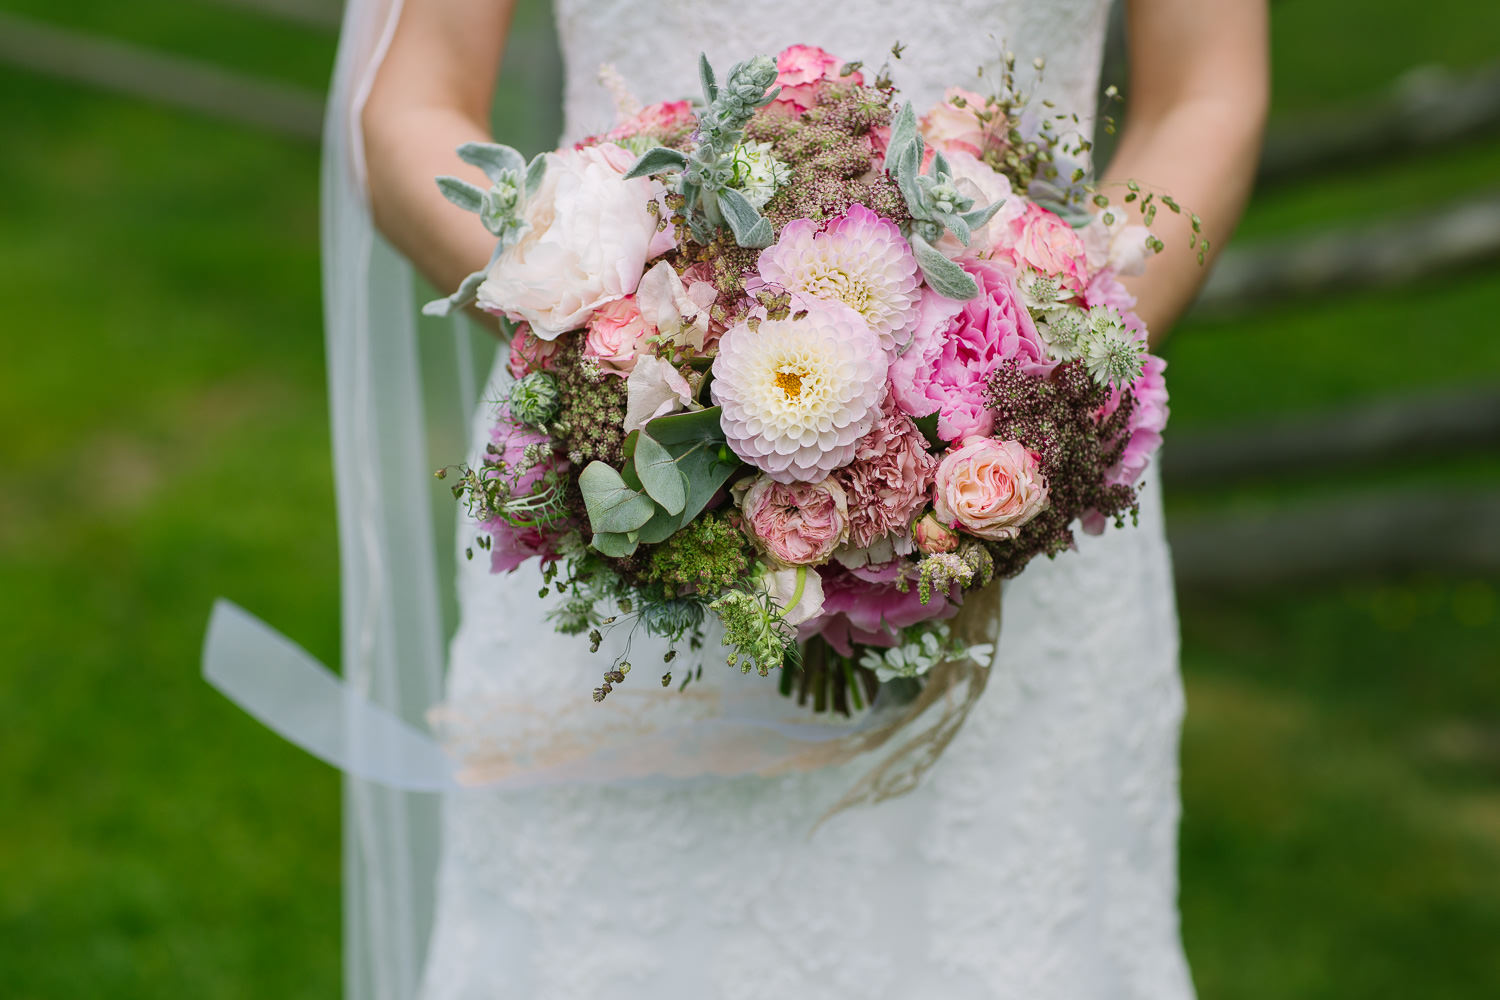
{"x":163,"y":400}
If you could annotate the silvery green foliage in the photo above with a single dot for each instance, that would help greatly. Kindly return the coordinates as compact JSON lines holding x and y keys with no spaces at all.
{"x":710,"y":174}
{"x":534,"y":399}
{"x":924,"y":647}
{"x":936,"y":205}
{"x":1113,"y":355}
{"x":502,"y":208}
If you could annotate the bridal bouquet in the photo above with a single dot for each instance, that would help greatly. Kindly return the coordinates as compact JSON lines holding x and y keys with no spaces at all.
{"x":798,"y":359}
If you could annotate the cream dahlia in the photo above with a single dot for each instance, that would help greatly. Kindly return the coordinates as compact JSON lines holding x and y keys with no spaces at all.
{"x":799,"y":393}
{"x":860,"y":260}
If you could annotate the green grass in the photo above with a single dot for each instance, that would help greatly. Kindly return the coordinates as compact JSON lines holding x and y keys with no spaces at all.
{"x":166,"y":442}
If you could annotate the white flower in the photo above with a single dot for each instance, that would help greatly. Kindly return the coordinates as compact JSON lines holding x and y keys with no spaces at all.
{"x":588,"y":235}
{"x":678,"y":312}
{"x":1112,"y":354}
{"x":799,"y":393}
{"x":924,"y":647}
{"x":1119,"y":246}
{"x":653,"y":389}
{"x":782,"y":585}
{"x":757,"y":173}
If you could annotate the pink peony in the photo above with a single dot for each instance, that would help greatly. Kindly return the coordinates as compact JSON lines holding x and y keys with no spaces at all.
{"x":804,"y":72}
{"x":529,"y":353}
{"x":888,"y":481}
{"x":1042,"y":241}
{"x":860,"y":610}
{"x":932,"y":537}
{"x":514,"y":544}
{"x":615,"y":335}
{"x":956,"y":346}
{"x":989,"y":488}
{"x":955,"y":126}
{"x":797,"y":524}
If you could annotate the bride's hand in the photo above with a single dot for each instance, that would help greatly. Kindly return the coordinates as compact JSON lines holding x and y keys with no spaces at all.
{"x":1195,"y":111}
{"x":433,"y":93}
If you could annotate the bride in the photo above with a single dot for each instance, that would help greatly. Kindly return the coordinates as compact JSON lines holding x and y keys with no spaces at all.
{"x":1036,"y":859}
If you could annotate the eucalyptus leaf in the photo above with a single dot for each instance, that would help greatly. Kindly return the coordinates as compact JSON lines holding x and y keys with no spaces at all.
{"x":463,"y":194}
{"x":658,"y":472}
{"x":943,"y":276}
{"x":494,"y":159}
{"x":616,"y":545}
{"x":612,"y":505}
{"x":696,"y":443}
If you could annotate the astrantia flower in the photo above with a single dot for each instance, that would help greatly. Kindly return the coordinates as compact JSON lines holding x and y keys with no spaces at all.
{"x":1112,"y":353}
{"x":860,"y":260}
{"x":798,"y":394}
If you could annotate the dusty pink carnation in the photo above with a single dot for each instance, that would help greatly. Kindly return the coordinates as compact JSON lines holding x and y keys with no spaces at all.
{"x":989,"y":488}
{"x":797,"y":524}
{"x":803,"y":72}
{"x":529,"y":353}
{"x":956,"y":345}
{"x":1042,"y":241}
{"x":872,"y":609}
{"x":513,"y":544}
{"x":888,"y":481}
{"x":954,"y":124}
{"x":860,"y":260}
{"x":615,"y":335}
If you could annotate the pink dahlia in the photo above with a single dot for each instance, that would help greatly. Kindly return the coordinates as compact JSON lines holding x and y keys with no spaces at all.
{"x":798,"y":394}
{"x":797,"y":524}
{"x":956,"y":345}
{"x":861,"y":610}
{"x":513,"y":544}
{"x":860,"y":260}
{"x":888,"y":482}
{"x":803,"y":72}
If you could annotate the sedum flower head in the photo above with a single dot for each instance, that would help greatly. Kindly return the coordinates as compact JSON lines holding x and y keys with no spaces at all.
{"x":798,"y":393}
{"x":860,"y":260}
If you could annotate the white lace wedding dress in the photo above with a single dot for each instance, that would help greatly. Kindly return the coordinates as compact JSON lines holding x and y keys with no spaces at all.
{"x":1036,"y":860}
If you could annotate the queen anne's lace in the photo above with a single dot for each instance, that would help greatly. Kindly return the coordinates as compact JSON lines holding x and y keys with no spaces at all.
{"x":1037,"y":861}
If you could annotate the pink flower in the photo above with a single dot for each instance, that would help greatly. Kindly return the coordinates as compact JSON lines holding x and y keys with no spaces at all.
{"x":1147,"y":420}
{"x":803,"y":72}
{"x":956,"y":346}
{"x":932,"y":537}
{"x":873,"y":612}
{"x":655,"y":120}
{"x":888,"y":481}
{"x":513,"y":544}
{"x":989,"y":488}
{"x":1041,"y":240}
{"x":1104,"y":289}
{"x":955,"y":125}
{"x":798,"y":524}
{"x":529,"y":353}
{"x":615,"y":333}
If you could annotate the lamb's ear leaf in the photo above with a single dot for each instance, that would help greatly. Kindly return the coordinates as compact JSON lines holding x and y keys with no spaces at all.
{"x":657,"y":469}
{"x":655,"y":160}
{"x":957,"y":226}
{"x":613,"y":507}
{"x":751,"y":229}
{"x":463,"y":194}
{"x":903,"y":133}
{"x":616,"y":545}
{"x":943,"y":276}
{"x":535,"y":171}
{"x":494,"y":159}
{"x":979,"y":216}
{"x":706,"y":77}
{"x":467,"y":292}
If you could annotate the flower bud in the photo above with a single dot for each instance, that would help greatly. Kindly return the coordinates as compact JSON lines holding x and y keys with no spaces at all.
{"x":931,"y":537}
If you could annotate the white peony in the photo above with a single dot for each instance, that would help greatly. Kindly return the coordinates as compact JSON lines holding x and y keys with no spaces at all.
{"x":588,"y":238}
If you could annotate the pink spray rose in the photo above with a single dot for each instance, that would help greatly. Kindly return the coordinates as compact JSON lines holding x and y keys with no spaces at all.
{"x":798,"y":524}
{"x":514,"y":544}
{"x":955,"y":126}
{"x":529,"y":353}
{"x":989,"y":488}
{"x":888,"y":481}
{"x":655,"y":120}
{"x":803,"y":72}
{"x":614,"y":337}
{"x":932,"y":537}
{"x":1041,"y":240}
{"x":956,"y":346}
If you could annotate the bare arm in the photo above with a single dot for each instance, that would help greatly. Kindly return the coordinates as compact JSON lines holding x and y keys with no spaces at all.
{"x":432,"y":94}
{"x":1196,"y":108}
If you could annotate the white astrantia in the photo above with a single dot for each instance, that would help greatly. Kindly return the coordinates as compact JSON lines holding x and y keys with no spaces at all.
{"x":1111,"y":352}
{"x":923,"y":647}
{"x":758,"y":174}
{"x":798,"y":393}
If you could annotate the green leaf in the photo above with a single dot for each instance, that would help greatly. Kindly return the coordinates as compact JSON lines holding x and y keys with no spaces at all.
{"x":494,"y":159}
{"x":466,"y":293}
{"x":463,"y":194}
{"x":654,"y":161}
{"x":696,"y":444}
{"x":706,"y":77}
{"x":750,"y":228}
{"x":979,"y":216}
{"x":678,"y":428}
{"x":928,"y":426}
{"x":535,"y":171}
{"x":612,"y":505}
{"x":659,"y":474}
{"x":903,"y":132}
{"x":614,"y":544}
{"x":943,"y":276}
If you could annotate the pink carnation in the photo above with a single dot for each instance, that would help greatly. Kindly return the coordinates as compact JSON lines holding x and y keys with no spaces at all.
{"x":889,"y":480}
{"x":989,"y":488}
{"x":615,"y":333}
{"x":798,"y":524}
{"x":857,"y":609}
{"x":514,"y":544}
{"x":803,"y":73}
{"x":954,"y":124}
{"x":956,"y":346}
{"x":530,"y":353}
{"x":1042,"y":241}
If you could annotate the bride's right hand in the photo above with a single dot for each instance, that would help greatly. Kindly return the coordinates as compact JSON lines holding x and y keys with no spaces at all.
{"x":431,"y":94}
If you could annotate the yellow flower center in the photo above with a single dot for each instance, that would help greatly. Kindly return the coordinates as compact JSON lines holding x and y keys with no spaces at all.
{"x":789,"y":381}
